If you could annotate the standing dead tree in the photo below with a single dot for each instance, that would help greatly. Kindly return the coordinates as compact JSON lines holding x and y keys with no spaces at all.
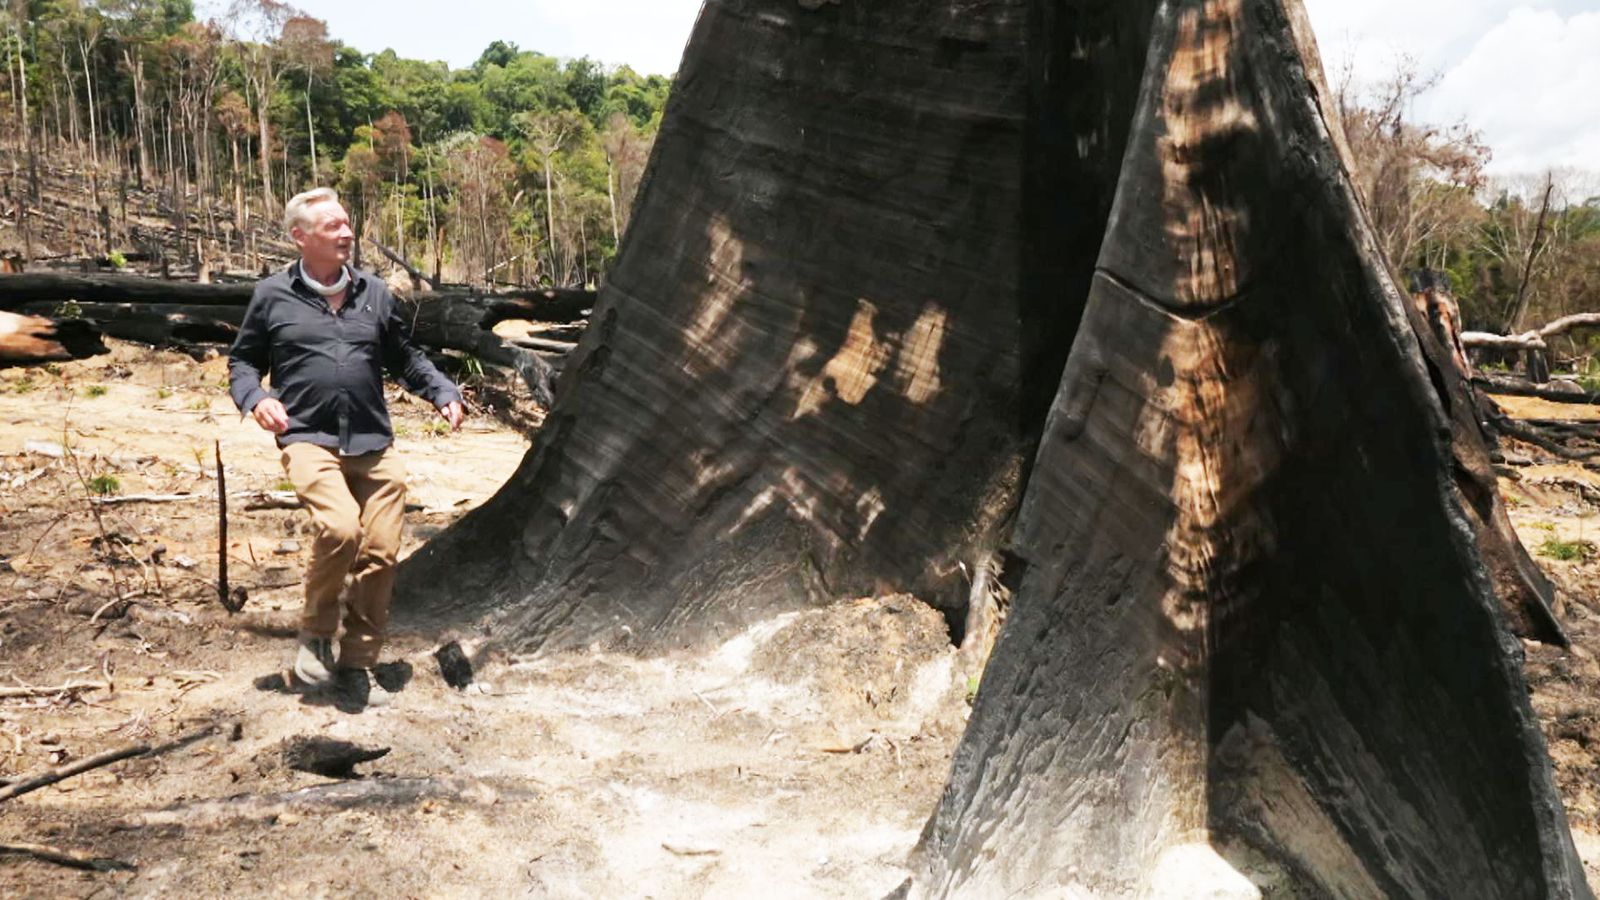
{"x":877,"y":308}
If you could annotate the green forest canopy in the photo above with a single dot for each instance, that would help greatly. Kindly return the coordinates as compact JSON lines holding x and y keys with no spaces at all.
{"x":522,"y":167}
{"x":472,"y":170}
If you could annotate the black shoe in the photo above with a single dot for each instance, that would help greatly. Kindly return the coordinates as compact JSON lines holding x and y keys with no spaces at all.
{"x":358,"y":690}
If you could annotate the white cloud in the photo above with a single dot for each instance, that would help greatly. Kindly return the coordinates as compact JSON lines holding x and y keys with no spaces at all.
{"x":1532,"y":85}
{"x":1525,"y":74}
{"x":646,"y":34}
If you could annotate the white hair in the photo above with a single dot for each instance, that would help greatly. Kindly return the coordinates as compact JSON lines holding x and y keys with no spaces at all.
{"x":295,"y":212}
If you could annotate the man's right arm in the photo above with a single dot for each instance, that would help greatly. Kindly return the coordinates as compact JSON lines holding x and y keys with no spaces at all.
{"x":250,"y":355}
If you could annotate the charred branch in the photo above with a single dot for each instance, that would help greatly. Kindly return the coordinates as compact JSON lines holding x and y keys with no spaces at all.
{"x":31,"y":340}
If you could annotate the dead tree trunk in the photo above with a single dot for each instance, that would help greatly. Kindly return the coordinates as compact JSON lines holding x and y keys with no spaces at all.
{"x":795,"y":386}
{"x":1256,"y":629}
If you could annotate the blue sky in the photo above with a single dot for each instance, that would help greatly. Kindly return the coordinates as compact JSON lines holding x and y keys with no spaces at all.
{"x":1526,"y":73}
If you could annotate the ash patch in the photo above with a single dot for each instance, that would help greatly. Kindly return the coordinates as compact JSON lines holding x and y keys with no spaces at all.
{"x":873,"y":658}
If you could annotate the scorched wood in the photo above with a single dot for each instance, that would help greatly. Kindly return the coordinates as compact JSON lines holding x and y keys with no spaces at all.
{"x":1255,"y":630}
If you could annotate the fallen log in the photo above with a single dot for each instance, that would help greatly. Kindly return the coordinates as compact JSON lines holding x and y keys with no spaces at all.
{"x":538,"y":343}
{"x":158,"y":323}
{"x":1587,"y":491}
{"x":541,"y":304}
{"x":1590,"y":427}
{"x":465,"y":322}
{"x":53,"y":287}
{"x":1518,"y":387}
{"x":27,"y":340}
{"x":1528,"y":434}
{"x":439,"y":321}
{"x":1530,"y":340}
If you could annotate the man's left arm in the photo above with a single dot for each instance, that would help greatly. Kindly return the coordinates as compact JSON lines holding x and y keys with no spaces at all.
{"x":406,"y":361}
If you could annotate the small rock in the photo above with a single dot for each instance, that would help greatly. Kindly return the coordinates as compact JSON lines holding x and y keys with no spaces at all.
{"x":184,"y":562}
{"x":287,"y":547}
{"x":89,"y":604}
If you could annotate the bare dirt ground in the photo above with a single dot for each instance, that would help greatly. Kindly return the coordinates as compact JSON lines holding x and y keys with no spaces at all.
{"x":798,"y":760}
{"x":762,"y":767}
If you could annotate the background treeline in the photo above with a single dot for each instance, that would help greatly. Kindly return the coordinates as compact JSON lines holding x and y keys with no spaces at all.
{"x":520,"y":169}
{"x":1520,"y":251}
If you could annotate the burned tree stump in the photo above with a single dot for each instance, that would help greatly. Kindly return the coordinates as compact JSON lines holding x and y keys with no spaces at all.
{"x":1258,"y":619}
{"x":804,"y":375}
{"x":1257,"y":630}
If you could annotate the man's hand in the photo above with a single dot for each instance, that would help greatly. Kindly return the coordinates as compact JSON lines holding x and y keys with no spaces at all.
{"x":453,"y":413}
{"x":271,"y":415}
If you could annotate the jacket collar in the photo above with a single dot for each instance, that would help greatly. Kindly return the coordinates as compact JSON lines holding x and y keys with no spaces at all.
{"x":358,"y":283}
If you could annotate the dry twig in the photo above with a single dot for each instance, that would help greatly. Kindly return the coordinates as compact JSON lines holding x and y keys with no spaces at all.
{"x":101,"y":760}
{"x":66,"y":858}
{"x":71,"y":687}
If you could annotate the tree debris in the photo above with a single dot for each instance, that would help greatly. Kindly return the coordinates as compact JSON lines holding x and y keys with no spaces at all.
{"x":68,"y":858}
{"x":101,"y":760}
{"x":327,"y":756}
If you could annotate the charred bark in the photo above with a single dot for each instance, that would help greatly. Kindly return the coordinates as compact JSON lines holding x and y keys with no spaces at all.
{"x":1258,"y":622}
{"x":33,"y":340}
{"x":545,"y":304}
{"x":824,"y":358}
{"x":803,"y":375}
{"x":1523,"y":589}
{"x":38,"y":287}
{"x":1257,"y":630}
{"x":175,"y":325}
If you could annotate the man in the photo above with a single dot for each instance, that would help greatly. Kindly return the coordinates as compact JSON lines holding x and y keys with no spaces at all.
{"x":325,"y":333}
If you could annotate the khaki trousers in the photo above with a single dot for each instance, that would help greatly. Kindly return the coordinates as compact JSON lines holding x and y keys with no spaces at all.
{"x":357,"y":504}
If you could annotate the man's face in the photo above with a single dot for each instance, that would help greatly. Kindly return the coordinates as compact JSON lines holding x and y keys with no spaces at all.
{"x":325,"y":239}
